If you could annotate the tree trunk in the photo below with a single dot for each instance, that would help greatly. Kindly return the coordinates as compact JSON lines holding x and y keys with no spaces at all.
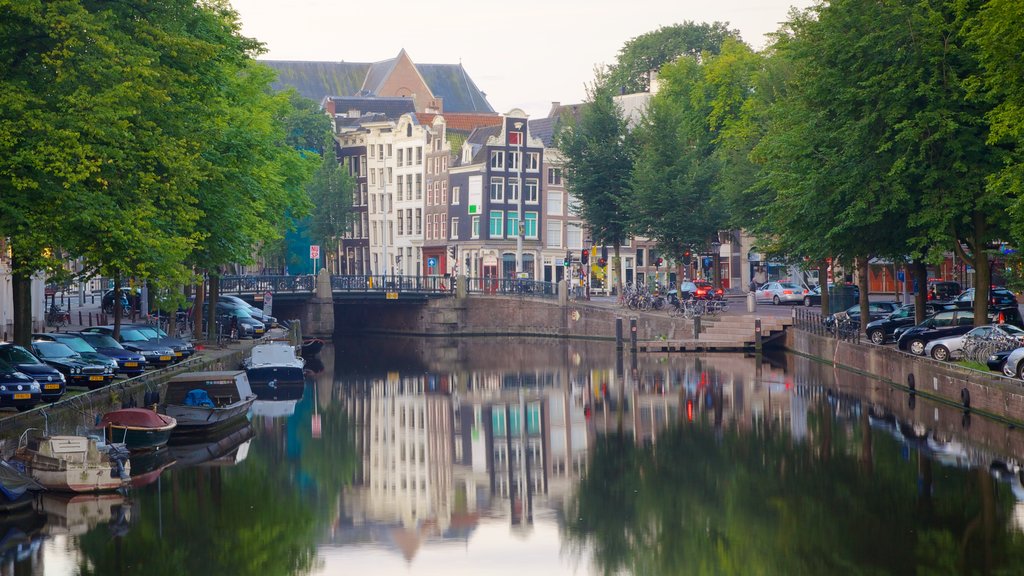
{"x":116,"y":304}
{"x":197,"y":309}
{"x":920,"y":271}
{"x":211,"y":305}
{"x":617,"y":278}
{"x":823,"y":282}
{"x":862,"y":283}
{"x":21,"y":296}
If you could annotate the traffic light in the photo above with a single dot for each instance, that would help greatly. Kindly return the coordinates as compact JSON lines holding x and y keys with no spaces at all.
{"x":657,"y":263}
{"x":686,"y":257}
{"x":585,"y":257}
{"x":568,"y":258}
{"x":451,"y":251}
{"x":602,"y":262}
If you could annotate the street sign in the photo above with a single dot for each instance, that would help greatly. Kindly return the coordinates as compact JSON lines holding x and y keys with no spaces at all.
{"x":432,"y":262}
{"x":391,"y":296}
{"x":314,"y":251}
{"x":268,"y":303}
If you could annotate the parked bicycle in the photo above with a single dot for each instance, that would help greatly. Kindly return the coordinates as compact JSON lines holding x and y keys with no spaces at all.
{"x":57,"y":317}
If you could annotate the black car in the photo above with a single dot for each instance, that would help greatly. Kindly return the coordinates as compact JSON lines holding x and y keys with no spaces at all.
{"x":997,"y":298}
{"x":182,"y":349}
{"x":18,"y":389}
{"x":997,"y":360}
{"x":156,"y":355}
{"x":128,"y":363}
{"x":943,"y":291}
{"x":255,"y":312}
{"x":79,"y":345}
{"x":876,"y":310}
{"x":77,"y":370}
{"x":129,"y":299}
{"x":813,"y":298}
{"x":947,"y":323}
{"x":230,"y":315}
{"x":883,"y":330}
{"x":52,"y":383}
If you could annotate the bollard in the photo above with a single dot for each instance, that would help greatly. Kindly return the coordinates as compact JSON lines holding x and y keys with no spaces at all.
{"x":79,"y":317}
{"x":696,"y":328}
{"x":618,"y":333}
{"x":751,"y":302}
{"x":632,"y":333}
{"x":757,"y":335}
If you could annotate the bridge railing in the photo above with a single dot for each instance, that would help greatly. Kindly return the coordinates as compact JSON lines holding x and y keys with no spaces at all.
{"x":513,"y":287}
{"x":377,"y":283}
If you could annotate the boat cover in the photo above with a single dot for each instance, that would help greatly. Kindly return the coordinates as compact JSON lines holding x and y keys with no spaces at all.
{"x":198,"y":397}
{"x":136,"y":417}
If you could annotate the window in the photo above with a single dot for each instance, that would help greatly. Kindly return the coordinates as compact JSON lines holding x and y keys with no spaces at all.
{"x":497,"y":219}
{"x":444,"y":225}
{"x":497,"y":189}
{"x":475,"y":223}
{"x":455,"y":228}
{"x":512,"y":230}
{"x":419,"y":155}
{"x":532,"y":191}
{"x":419,"y":221}
{"x":401,"y":228}
{"x":497,"y":160}
{"x":530,"y":225}
{"x":430,"y":227}
{"x":362,"y":165}
{"x":389,"y":150}
{"x":373,"y":177}
{"x":408,"y":220}
{"x":444,"y":192}
{"x":401,"y":187}
{"x":533,"y":161}
{"x":419,"y":185}
{"x":553,"y":234}
{"x":573,"y":236}
{"x":399,"y":161}
{"x":455,"y":193}
{"x":513,"y":189}
{"x":555,"y":176}
{"x":513,"y":161}
{"x":371,"y":151}
{"x":380,"y":151}
{"x":554,"y":202}
{"x":515,"y":138}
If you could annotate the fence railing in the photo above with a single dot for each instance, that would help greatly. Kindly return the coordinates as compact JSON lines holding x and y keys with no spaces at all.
{"x":378,"y":283}
{"x":842,"y":328}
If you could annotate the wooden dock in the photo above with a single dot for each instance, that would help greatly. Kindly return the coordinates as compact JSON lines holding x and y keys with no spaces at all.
{"x":726,"y":333}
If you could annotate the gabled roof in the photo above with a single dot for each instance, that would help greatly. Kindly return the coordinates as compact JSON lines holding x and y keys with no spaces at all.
{"x":477,"y":142}
{"x":315,"y":80}
{"x":462,"y":122}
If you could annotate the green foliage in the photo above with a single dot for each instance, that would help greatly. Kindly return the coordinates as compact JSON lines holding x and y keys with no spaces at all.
{"x":331,"y":191}
{"x":651,"y":51}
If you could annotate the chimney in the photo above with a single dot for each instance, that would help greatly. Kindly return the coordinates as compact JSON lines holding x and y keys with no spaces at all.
{"x":554,"y":109}
{"x":330,"y":107}
{"x":653,"y":83}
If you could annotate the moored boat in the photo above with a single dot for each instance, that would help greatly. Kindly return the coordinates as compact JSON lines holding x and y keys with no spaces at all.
{"x":311,"y":347}
{"x":139,"y":429}
{"x":205,"y":402}
{"x":74,"y":463}
{"x":275,"y":371}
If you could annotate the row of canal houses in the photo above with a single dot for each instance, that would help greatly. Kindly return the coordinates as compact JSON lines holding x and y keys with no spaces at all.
{"x":445,"y":185}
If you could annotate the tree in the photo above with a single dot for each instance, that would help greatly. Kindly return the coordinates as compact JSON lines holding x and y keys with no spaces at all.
{"x":330,"y":191}
{"x":598,"y":162}
{"x":650,"y":51}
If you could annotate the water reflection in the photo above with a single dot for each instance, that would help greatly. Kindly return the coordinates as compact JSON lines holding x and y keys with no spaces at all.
{"x":494,"y":455}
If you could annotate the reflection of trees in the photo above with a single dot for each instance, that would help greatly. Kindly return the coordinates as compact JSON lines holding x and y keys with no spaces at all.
{"x":241,"y":520}
{"x":697,"y":503}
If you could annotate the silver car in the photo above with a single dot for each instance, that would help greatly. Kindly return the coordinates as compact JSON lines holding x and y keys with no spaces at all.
{"x":779,"y":292}
{"x":1014,"y":364}
{"x":950,"y":348}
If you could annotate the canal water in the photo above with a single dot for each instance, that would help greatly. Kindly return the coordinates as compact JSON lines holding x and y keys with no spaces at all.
{"x":537,"y":457}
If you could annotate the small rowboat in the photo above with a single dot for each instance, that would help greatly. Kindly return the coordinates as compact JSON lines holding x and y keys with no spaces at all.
{"x":139,"y":429}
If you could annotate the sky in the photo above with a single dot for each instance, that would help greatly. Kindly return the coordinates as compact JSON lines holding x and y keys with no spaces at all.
{"x":523,"y":54}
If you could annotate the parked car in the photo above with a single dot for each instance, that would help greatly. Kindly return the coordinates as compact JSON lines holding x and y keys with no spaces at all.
{"x":997,"y":298}
{"x":707,"y":291}
{"x":80,"y":346}
{"x":883,"y":329}
{"x":182,"y":348}
{"x":156,"y":355}
{"x":997,"y":360}
{"x":228,"y":315}
{"x":780,"y":292}
{"x":876,"y":310}
{"x":813,"y":296}
{"x":129,"y":299}
{"x":129,"y":363}
{"x":76,"y":370}
{"x":254,"y":311}
{"x":1014,"y":365}
{"x":51,"y":381}
{"x":943,"y":290}
{"x":947,"y":323}
{"x":17,"y":389}
{"x":950,"y":348}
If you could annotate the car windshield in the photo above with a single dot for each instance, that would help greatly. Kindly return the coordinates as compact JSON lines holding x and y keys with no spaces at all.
{"x":238,"y":313}
{"x":6,"y":368}
{"x":1011,"y":330}
{"x":790,"y":286}
{"x":77,"y":344}
{"x":148,"y":332}
{"x":101,"y":341}
{"x":54,"y":350}
{"x":132,"y":335}
{"x":17,"y":355}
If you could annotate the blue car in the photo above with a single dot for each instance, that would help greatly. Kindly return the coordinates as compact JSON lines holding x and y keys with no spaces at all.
{"x":17,"y":389}
{"x":129,"y":363}
{"x":52,"y":383}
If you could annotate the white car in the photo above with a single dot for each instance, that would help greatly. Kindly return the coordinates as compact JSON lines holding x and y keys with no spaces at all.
{"x":1014,"y":363}
{"x":950,"y":348}
{"x":779,"y":292}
